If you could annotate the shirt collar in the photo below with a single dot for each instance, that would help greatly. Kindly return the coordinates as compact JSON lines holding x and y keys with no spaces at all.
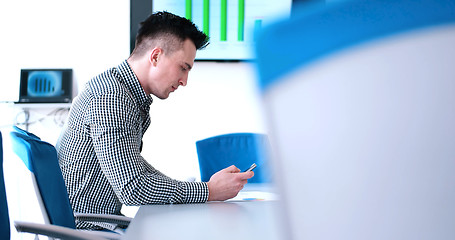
{"x":129,"y":79}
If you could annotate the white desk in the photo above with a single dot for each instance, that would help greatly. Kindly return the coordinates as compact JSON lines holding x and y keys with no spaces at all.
{"x":26,"y":107}
{"x":214,"y":220}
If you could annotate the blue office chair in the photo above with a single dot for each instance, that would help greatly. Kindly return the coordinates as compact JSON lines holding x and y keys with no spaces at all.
{"x":239,"y":149}
{"x":360,"y":99}
{"x":41,"y":160}
{"x":51,"y":231}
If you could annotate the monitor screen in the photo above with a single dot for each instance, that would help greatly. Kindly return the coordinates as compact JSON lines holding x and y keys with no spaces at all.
{"x":231,"y":25}
{"x":45,"y":86}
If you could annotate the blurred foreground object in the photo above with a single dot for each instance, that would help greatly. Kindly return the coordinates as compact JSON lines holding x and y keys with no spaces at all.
{"x":360,"y":99}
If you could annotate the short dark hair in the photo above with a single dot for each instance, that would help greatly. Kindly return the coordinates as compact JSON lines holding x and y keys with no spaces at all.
{"x":170,"y":30}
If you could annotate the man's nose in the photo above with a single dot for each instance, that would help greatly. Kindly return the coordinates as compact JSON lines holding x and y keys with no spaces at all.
{"x":183,"y":81}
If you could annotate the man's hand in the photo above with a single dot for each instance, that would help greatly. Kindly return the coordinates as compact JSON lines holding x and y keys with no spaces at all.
{"x":227,"y":183}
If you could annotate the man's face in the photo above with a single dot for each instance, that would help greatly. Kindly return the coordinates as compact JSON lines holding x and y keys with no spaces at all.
{"x":171,"y":71}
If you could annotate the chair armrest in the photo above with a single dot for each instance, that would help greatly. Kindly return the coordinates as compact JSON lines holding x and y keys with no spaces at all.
{"x":122,"y":221}
{"x":55,"y":231}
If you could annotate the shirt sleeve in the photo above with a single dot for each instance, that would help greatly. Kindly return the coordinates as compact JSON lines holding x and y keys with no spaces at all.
{"x":116,"y":131}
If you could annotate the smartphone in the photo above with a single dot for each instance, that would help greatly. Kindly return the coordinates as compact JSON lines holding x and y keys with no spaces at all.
{"x":253,"y":166}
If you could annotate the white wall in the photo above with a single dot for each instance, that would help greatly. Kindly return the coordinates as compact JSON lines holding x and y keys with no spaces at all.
{"x":90,"y":36}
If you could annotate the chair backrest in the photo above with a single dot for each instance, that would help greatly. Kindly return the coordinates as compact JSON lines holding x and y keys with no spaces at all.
{"x":240,"y":149}
{"x":22,"y":131}
{"x":4,"y":216}
{"x":41,"y":160}
{"x":360,"y":99}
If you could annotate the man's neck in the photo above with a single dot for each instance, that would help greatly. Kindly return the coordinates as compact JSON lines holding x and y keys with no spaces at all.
{"x":138,"y":66}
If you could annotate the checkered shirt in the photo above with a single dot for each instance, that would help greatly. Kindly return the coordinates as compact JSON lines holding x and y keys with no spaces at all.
{"x":99,"y":151}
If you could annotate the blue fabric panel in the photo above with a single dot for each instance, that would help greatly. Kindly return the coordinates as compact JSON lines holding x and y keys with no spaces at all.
{"x":41,"y":159}
{"x":22,"y":131}
{"x":22,"y":151}
{"x":239,"y":149}
{"x":316,"y":31}
{"x":4,"y":216}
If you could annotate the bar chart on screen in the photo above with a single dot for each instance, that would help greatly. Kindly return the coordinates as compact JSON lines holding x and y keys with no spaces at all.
{"x":232,"y":25}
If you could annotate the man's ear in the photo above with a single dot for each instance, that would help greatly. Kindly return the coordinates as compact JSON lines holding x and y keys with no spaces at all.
{"x":155,"y":55}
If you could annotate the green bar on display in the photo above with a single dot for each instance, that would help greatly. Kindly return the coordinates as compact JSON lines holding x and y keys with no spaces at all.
{"x":241,"y":27}
{"x":206,"y":21}
{"x":188,"y":9}
{"x":223,"y":35}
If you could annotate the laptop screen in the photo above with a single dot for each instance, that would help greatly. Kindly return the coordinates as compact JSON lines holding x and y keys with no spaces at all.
{"x":46,"y":86}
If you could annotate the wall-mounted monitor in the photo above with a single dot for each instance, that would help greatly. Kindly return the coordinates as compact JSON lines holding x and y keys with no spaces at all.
{"x":231,"y":24}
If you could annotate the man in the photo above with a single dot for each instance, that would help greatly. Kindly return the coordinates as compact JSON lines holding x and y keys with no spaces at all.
{"x":99,"y":149}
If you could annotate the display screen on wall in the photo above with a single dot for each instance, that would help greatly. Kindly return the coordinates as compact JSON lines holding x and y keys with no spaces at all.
{"x":232,"y":25}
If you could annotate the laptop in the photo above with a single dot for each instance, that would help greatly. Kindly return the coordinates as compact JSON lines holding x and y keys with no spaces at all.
{"x":46,"y":86}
